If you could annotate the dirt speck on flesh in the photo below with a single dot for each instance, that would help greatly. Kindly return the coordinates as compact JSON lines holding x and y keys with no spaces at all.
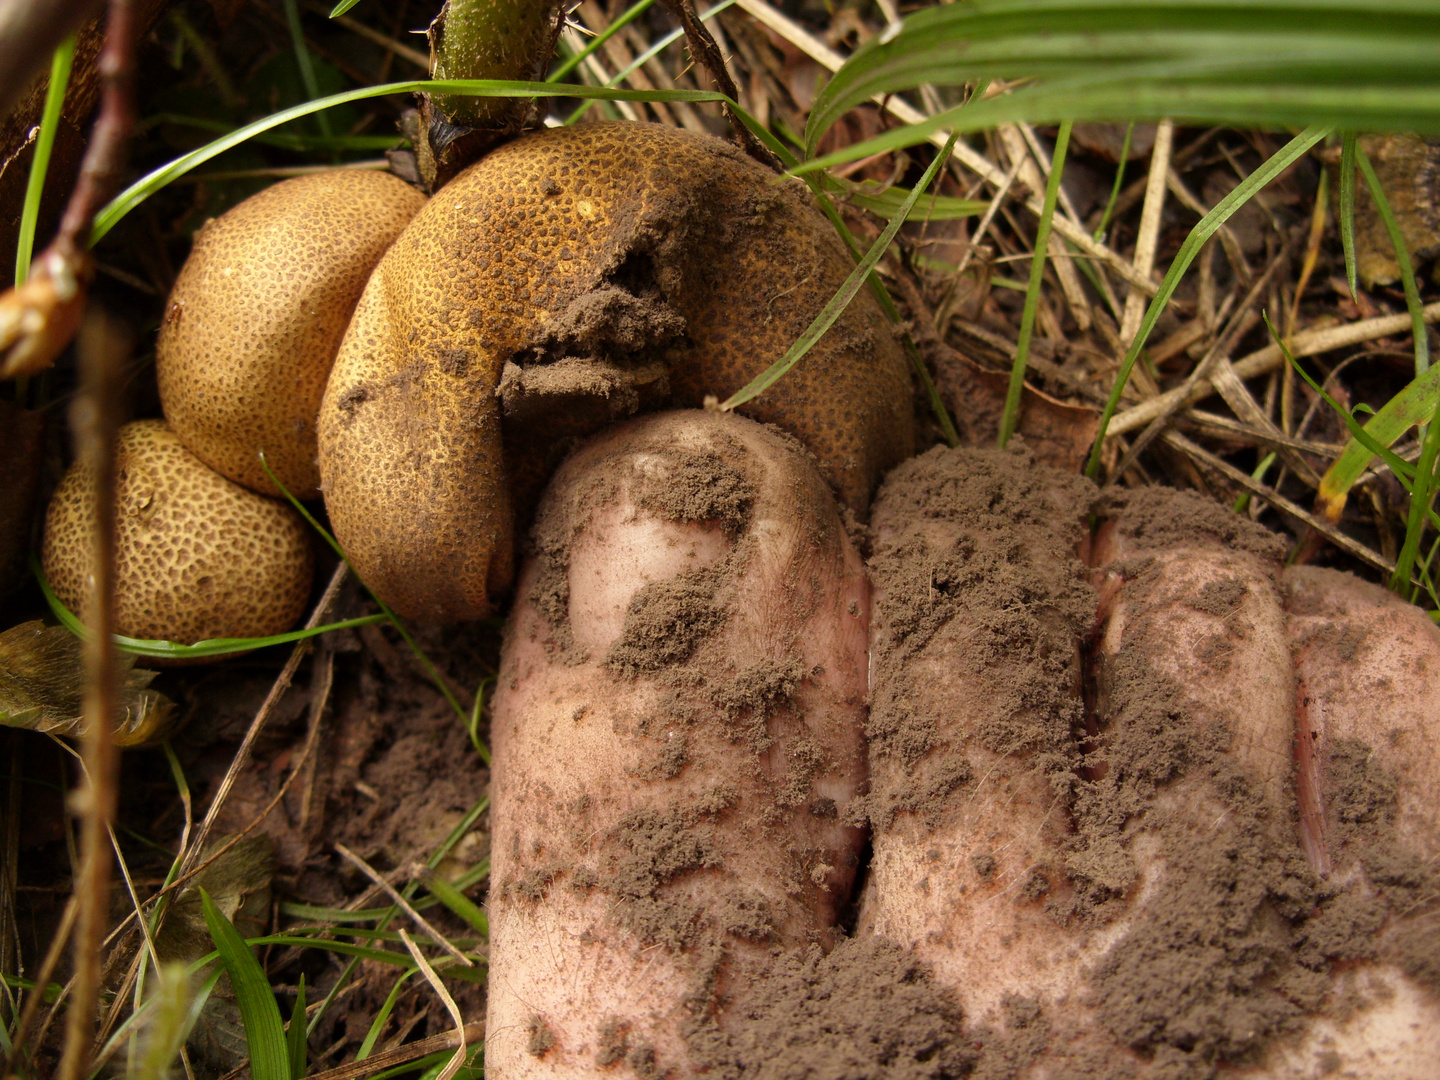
{"x":542,"y":1039}
{"x":667,"y":619}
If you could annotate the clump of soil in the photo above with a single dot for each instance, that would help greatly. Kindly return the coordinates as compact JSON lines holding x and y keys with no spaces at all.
{"x":868,"y":1009}
{"x":1159,"y":517}
{"x":667,"y":619}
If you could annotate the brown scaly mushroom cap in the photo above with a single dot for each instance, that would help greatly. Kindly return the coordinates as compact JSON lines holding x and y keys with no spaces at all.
{"x":257,"y":314}
{"x":197,"y":556}
{"x":566,"y":280}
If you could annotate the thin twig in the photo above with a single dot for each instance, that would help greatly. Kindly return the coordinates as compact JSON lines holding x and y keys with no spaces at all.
{"x":1148,"y":237}
{"x":1268,"y":359}
{"x":403,"y":904}
{"x":95,"y":421}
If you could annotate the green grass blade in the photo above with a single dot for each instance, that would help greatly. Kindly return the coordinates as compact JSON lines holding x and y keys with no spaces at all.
{"x":342,"y":7}
{"x":937,"y":207}
{"x":1011,"y":416}
{"x":628,"y":16}
{"x":1413,"y":405}
{"x":841,"y":300}
{"x":281,"y":139}
{"x":1398,"y":465}
{"x":60,"y":65}
{"x":457,"y":902}
{"x":1281,"y":160}
{"x":377,"y":1026}
{"x":649,"y":54}
{"x":1239,"y":62}
{"x":1153,"y":97}
{"x":1418,"y":480}
{"x":295,"y":1040}
{"x":304,"y":62}
{"x":1422,"y":500}
{"x":115,"y":210}
{"x":1117,"y":187}
{"x":175,"y":651}
{"x":259,"y":1012}
{"x":1348,"y":146}
{"x":1402,"y":256}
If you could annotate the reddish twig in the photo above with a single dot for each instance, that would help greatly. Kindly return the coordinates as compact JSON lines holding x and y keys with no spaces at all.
{"x":94,"y":419}
{"x":704,"y":49}
{"x":38,"y":319}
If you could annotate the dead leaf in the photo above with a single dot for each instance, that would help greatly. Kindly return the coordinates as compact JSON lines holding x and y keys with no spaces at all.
{"x":42,"y":687}
{"x":1058,"y":434}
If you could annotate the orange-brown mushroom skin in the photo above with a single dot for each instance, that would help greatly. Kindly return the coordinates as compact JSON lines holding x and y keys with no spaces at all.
{"x":564,"y":281}
{"x":197,"y":556}
{"x":256,"y":317}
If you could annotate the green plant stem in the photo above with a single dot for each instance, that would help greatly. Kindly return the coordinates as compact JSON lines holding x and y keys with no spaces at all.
{"x":1278,"y":162}
{"x":1402,"y":256}
{"x":490,"y":39}
{"x":1011,"y":416}
{"x":1348,"y":146}
{"x":40,"y":164}
{"x":1099,"y":233}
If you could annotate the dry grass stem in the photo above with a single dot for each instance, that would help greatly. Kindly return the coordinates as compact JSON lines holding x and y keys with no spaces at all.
{"x":971,"y":158}
{"x":1308,"y":343}
{"x":462,"y":1044}
{"x":1148,"y":237}
{"x":404,"y":905}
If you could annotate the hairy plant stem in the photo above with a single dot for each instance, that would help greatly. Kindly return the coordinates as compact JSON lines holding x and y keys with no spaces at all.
{"x":482,"y":39}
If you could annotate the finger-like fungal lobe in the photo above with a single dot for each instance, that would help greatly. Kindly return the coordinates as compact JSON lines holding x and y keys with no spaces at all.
{"x":1182,"y":824}
{"x":678,"y":742}
{"x":255,"y":319}
{"x":981,"y":603}
{"x":1367,"y":754}
{"x":566,"y":280}
{"x":196,"y":555}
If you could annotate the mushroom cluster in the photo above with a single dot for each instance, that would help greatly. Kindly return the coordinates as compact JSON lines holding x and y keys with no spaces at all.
{"x":205,"y":548}
{"x":449,"y":354}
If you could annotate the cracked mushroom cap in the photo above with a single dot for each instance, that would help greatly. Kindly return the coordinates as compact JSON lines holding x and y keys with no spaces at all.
{"x":256,"y":317}
{"x":197,"y":556}
{"x":569,"y":279}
